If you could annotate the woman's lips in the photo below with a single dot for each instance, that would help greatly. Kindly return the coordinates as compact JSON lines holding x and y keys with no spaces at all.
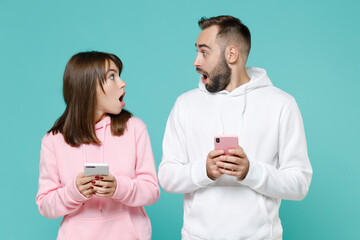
{"x":121,"y":99}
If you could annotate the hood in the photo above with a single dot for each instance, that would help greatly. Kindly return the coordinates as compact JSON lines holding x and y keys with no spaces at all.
{"x":100,"y":129}
{"x":258,"y":79}
{"x":103,"y":123}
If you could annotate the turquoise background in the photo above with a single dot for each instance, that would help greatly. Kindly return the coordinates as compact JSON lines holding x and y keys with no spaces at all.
{"x":309,"y":48}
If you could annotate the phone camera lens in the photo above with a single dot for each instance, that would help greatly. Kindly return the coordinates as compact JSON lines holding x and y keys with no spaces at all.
{"x":217,"y":140}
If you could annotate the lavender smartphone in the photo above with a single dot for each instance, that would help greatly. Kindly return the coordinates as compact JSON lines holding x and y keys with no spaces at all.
{"x":226,"y":142}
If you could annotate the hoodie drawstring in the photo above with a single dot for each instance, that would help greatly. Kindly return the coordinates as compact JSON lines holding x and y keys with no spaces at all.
{"x":84,"y":153}
{"x":102,"y":158}
{"x":220,"y":115}
{"x":243,"y":113}
{"x":244,"y":107}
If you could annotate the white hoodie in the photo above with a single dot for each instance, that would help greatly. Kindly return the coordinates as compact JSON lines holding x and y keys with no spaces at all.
{"x":270,"y":130}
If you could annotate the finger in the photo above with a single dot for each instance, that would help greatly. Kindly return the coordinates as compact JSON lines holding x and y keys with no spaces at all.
{"x":104,"y":194}
{"x":238,"y":152}
{"x":213,"y":167}
{"x":102,"y":183}
{"x":107,"y":178}
{"x":88,"y":193}
{"x":80,"y":175}
{"x":232,"y":159}
{"x":226,"y":165}
{"x":229,"y":172}
{"x":215,"y":153}
{"x":85,"y":187}
{"x":84,"y":180}
{"x":86,"y":190}
{"x":212,"y":161}
{"x":103,"y":190}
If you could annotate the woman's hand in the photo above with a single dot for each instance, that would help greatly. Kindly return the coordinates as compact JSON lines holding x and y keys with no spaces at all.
{"x":104,"y":186}
{"x":84,"y":185}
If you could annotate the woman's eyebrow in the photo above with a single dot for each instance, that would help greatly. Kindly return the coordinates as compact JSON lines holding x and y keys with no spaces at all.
{"x":111,"y":70}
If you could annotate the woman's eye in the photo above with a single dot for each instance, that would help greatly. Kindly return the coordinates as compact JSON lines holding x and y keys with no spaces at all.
{"x":111,"y":77}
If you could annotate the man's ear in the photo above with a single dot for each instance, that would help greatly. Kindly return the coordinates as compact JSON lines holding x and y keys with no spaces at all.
{"x":231,"y":54}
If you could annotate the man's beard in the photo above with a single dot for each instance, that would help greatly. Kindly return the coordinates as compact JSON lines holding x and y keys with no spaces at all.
{"x":219,"y":77}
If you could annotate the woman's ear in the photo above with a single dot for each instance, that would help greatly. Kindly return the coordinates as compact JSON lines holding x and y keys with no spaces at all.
{"x":231,"y":54}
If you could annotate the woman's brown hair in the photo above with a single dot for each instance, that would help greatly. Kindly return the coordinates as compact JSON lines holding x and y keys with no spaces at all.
{"x":82,"y":74}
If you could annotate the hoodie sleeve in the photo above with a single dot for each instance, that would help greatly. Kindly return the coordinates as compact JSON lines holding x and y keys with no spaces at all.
{"x":143,"y":190}
{"x":291,"y":180}
{"x":176,"y":173}
{"x":53,"y":199}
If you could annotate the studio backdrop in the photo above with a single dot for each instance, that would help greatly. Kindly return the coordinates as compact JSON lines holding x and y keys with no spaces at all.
{"x":310,"y":49}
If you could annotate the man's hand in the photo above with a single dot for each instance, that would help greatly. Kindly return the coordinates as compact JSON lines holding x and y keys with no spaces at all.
{"x":236,"y":164}
{"x":212,"y":168}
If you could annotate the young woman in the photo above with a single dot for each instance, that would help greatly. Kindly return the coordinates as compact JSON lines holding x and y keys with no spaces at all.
{"x":96,"y":129}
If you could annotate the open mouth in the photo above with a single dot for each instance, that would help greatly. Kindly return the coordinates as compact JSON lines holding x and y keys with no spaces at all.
{"x":204,"y":74}
{"x":121,"y":99}
{"x":204,"y":78}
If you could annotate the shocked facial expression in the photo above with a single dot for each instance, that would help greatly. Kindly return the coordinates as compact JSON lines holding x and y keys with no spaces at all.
{"x":210,"y":61}
{"x":110,"y":99}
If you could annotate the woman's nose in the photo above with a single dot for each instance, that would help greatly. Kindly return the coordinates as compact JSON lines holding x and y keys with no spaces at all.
{"x":122,"y":83}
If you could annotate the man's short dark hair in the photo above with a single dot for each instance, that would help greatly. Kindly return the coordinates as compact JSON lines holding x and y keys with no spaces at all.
{"x":231,"y":31}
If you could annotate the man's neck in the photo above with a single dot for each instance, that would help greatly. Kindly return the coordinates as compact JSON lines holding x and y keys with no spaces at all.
{"x":238,"y":78}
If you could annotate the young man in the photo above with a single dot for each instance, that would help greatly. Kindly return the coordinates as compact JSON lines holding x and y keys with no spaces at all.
{"x":234,"y":196}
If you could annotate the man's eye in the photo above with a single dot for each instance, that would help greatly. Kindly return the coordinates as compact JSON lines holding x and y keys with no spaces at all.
{"x":204,"y":53}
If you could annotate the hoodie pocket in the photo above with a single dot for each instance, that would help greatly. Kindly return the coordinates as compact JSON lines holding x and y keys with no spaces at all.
{"x":111,"y":228}
{"x":226,"y":213}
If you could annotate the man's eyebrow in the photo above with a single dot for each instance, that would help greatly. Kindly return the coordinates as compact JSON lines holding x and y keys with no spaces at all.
{"x":202,"y":45}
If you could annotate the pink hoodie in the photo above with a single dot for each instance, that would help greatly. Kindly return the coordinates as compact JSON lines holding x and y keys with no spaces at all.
{"x":130,"y":160}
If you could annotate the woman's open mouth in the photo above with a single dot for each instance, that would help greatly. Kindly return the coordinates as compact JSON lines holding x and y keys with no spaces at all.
{"x":121,"y":99}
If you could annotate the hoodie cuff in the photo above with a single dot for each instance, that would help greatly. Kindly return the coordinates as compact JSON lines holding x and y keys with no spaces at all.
{"x":199,"y":175}
{"x":74,"y":193}
{"x":254,"y":175}
{"x":122,"y":188}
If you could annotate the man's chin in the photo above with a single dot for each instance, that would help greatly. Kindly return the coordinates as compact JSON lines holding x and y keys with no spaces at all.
{"x":210,"y":88}
{"x":214,"y":89}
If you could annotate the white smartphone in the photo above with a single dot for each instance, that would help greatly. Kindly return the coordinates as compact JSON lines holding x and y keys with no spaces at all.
{"x":96,"y":169}
{"x":226,"y":142}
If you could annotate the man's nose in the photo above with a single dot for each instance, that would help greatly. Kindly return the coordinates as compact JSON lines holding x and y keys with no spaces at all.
{"x":196,"y":63}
